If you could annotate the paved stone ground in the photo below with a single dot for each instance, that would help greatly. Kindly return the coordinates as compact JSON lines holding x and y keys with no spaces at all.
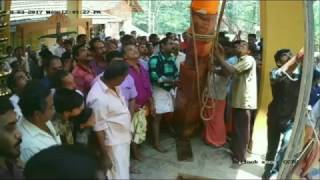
{"x":208,"y":162}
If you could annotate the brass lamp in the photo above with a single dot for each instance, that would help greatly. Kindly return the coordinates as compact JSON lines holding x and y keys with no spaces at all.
{"x":5,"y":69}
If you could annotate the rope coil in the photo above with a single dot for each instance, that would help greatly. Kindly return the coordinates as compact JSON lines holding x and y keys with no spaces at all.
{"x":208,"y":90}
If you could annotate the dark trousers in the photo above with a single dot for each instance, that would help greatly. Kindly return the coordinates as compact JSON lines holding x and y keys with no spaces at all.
{"x":240,"y":133}
{"x":274,"y":133}
{"x":252,"y":121}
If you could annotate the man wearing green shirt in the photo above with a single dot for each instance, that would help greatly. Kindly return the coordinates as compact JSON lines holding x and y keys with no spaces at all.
{"x":163,"y":76}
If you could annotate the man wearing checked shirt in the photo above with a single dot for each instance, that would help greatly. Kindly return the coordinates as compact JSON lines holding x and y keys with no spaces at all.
{"x":163,"y":76}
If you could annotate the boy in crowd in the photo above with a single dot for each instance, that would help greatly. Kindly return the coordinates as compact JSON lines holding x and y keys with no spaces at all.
{"x":144,"y":55}
{"x":214,"y":133}
{"x":68,"y":104}
{"x":126,"y":40}
{"x":64,"y":79}
{"x":252,"y":40}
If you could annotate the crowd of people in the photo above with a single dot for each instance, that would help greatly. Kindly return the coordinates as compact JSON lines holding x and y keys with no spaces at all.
{"x":80,"y":110}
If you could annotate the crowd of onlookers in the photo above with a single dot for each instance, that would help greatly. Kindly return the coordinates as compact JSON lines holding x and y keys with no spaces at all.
{"x":81,"y":109}
{"x":95,"y":93}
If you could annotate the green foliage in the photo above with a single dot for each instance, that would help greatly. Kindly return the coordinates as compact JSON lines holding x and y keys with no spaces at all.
{"x":242,"y":15}
{"x":174,"y":16}
{"x":165,"y":16}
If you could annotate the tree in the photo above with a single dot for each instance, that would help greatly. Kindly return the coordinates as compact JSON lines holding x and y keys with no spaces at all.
{"x":242,"y":15}
{"x":174,"y":16}
{"x":163,"y":16}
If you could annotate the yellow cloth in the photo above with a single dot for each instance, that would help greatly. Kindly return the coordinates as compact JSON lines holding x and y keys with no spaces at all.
{"x":205,"y":6}
{"x":139,"y":126}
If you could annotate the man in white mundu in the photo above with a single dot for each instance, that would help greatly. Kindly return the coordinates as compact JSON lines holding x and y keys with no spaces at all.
{"x":113,"y":120}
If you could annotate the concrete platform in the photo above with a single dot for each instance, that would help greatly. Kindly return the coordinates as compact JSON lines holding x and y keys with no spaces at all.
{"x":208,"y":162}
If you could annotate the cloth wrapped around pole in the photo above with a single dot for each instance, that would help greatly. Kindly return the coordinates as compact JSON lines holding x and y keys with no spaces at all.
{"x":205,"y":6}
{"x":195,"y":68}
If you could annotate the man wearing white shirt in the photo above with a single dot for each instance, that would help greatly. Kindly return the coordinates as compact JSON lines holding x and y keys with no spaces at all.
{"x":113,"y":120}
{"x":36,"y":103}
{"x":59,"y":50}
{"x":180,"y":56}
{"x":127,"y":87}
{"x":17,"y":80}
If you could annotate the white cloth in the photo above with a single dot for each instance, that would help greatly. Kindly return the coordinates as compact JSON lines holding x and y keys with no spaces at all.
{"x":120,"y":158}
{"x":244,"y":84}
{"x":58,"y":51}
{"x":112,"y":114}
{"x":163,"y":100}
{"x":35,"y":139}
{"x":15,"y":100}
{"x":181,"y":57}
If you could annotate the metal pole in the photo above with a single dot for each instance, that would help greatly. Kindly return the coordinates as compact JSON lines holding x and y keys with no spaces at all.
{"x":294,"y":147}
